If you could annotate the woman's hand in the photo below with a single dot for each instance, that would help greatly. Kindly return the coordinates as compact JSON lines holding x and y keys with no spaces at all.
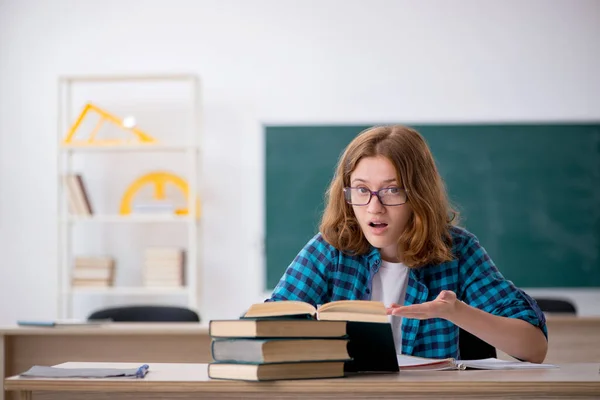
{"x":443,"y":306}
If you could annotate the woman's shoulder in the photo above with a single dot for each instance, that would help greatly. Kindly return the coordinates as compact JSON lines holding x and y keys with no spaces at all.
{"x":320,"y":248}
{"x":317,"y":245}
{"x":462,"y":239}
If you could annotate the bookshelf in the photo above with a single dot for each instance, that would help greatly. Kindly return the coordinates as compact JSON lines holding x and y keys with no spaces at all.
{"x":183,"y":145}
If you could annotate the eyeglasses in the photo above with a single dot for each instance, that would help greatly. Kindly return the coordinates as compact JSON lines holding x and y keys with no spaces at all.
{"x":361,"y":196}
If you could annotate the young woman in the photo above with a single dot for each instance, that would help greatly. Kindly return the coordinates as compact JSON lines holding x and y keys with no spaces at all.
{"x":389,"y":234}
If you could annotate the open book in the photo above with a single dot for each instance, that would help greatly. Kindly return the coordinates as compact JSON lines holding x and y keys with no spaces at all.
{"x":341,"y":310}
{"x":412,"y":363}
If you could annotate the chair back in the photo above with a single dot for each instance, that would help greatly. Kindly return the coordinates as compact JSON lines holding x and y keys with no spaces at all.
{"x":551,"y":305}
{"x":473,"y":348}
{"x":146,"y":314}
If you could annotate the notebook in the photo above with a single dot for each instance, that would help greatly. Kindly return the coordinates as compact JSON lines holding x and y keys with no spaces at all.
{"x":495,"y":363}
{"x":62,"y":323}
{"x":412,"y":363}
{"x":38,"y":371}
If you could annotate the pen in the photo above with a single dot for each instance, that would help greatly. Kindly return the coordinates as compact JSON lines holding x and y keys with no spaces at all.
{"x":141,"y":372}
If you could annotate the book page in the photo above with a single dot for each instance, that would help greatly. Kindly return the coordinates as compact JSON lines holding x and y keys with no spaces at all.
{"x":355,"y":306}
{"x":495,"y":363}
{"x":430,"y":364}
{"x":279,"y":308}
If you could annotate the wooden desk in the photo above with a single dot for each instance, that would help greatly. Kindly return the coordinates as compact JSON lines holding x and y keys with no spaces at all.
{"x":187,"y":381}
{"x":23,"y":347}
{"x":572,"y":340}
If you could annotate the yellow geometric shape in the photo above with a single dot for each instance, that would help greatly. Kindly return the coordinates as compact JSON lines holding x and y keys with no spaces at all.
{"x":104,"y":117}
{"x":158,"y":180}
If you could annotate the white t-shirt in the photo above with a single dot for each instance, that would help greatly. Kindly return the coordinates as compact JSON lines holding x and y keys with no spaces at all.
{"x":389,"y":286}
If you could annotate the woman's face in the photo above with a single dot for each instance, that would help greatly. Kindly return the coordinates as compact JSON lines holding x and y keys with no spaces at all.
{"x":382,"y":225}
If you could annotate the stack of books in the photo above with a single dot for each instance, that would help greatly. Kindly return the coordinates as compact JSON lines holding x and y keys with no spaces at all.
{"x":164,"y":267}
{"x":264,"y":350}
{"x":93,"y":272}
{"x":290,"y":340}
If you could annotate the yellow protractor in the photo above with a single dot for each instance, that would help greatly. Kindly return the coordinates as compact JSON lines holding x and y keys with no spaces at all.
{"x":159,"y":180}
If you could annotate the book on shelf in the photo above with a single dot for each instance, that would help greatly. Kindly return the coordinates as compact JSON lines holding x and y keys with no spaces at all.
{"x":278,"y":350}
{"x":276,"y":371}
{"x":78,"y":199}
{"x":93,"y":271}
{"x":364,"y":323}
{"x":412,"y":363}
{"x":164,"y":267}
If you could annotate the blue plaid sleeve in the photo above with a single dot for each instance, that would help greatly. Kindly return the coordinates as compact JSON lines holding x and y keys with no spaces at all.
{"x":305,"y":279}
{"x":485,"y":288}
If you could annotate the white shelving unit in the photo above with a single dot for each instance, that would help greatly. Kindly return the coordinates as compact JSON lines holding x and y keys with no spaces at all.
{"x":190,"y":150}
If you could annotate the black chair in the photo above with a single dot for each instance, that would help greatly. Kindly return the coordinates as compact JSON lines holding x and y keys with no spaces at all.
{"x":548,"y":305}
{"x":473,"y":348}
{"x":146,"y":314}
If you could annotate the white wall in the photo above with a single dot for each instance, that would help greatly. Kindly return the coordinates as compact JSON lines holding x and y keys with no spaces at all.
{"x":268,"y":61}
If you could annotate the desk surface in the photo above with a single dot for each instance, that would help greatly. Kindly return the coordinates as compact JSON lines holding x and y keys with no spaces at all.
{"x":191,"y":328}
{"x":119,"y":328}
{"x":583,"y":379}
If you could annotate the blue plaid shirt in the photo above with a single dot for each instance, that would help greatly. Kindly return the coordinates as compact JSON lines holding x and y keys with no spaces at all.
{"x":320,"y":273}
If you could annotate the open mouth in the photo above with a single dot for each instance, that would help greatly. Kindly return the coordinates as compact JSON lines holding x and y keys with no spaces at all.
{"x":377,"y":225}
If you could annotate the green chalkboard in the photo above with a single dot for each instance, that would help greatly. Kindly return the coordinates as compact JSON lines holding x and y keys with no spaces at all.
{"x":530,"y":193}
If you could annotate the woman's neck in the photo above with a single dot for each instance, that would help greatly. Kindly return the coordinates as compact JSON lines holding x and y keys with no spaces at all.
{"x":391,"y":256}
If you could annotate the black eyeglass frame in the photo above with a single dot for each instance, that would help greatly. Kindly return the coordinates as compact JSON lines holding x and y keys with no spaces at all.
{"x":373,"y":193}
